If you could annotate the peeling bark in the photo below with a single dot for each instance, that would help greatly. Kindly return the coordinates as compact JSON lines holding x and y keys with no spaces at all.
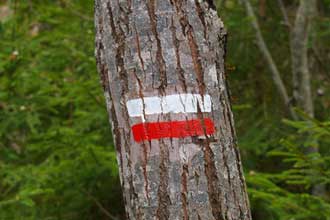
{"x":170,"y":48}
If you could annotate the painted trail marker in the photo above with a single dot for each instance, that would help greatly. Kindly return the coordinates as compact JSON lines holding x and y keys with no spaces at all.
{"x":176,"y":104}
{"x":174,"y":129}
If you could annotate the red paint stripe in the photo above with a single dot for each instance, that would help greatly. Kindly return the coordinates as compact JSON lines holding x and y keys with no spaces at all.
{"x":173,"y":129}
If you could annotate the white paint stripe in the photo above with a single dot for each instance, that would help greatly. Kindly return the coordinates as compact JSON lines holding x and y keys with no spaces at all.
{"x":179,"y":103}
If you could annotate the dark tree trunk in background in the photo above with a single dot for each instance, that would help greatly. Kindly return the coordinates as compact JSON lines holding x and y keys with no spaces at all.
{"x":162,"y":69}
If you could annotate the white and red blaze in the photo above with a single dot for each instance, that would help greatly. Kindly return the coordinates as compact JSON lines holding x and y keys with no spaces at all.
{"x":176,"y":104}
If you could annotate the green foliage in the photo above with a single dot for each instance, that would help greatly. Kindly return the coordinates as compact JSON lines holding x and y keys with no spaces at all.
{"x":55,"y":154}
{"x":287,"y":194}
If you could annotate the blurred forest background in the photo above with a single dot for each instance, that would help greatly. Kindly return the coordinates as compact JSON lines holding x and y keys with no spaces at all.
{"x":57,"y":160}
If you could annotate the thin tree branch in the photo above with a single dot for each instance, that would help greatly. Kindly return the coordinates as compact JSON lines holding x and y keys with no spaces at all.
{"x":71,"y":7}
{"x":80,"y":15}
{"x":268,"y":57}
{"x":101,"y":207}
{"x":318,"y":58}
{"x":284,"y":13}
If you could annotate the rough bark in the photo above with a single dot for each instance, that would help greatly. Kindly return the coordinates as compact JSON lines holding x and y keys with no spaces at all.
{"x":158,"y":48}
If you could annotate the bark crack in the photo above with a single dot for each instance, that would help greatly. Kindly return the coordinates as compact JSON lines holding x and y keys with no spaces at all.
{"x":188,"y":31}
{"x":163,"y":195}
{"x":179,"y":68}
{"x":159,"y":54}
{"x":184,"y":192}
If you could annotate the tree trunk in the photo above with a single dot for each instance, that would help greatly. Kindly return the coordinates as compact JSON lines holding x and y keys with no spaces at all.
{"x":162,"y":69}
{"x":300,"y":34}
{"x":302,"y":83}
